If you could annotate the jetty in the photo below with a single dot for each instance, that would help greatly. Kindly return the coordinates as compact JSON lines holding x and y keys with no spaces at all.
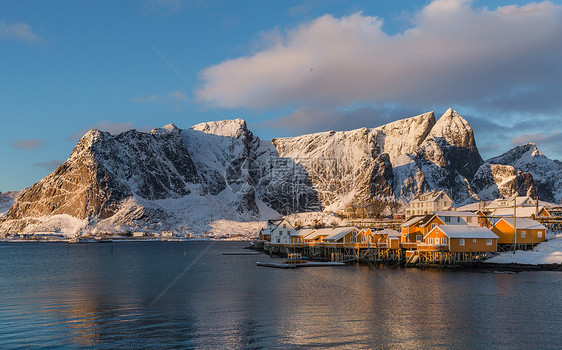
{"x":241,"y":253}
{"x":303,"y":264}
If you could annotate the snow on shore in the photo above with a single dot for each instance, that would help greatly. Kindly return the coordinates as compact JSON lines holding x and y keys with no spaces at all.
{"x":549,"y":252}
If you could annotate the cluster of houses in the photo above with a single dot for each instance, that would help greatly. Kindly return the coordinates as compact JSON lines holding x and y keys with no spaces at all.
{"x":433,"y":224}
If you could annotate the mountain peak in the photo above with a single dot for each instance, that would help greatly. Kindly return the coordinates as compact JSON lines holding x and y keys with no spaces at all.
{"x":454,"y":129}
{"x":523,"y":153}
{"x":230,"y":128}
{"x":166,"y":129}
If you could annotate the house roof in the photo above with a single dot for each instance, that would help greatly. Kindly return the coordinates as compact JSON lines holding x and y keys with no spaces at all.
{"x":303,"y":232}
{"x":412,"y":221}
{"x":473,"y":207}
{"x":521,"y":201}
{"x":524,"y":224}
{"x":521,"y":211}
{"x":388,"y":232}
{"x":465,"y":231}
{"x":428,"y":196}
{"x":278,"y":222}
{"x":321,"y":232}
{"x":455,"y":213}
{"x":336,"y":233}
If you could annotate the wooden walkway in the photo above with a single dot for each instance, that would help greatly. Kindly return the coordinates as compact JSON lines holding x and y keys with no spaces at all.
{"x":377,"y":255}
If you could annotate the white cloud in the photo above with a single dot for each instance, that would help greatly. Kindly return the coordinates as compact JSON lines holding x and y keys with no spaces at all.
{"x":462,"y":55}
{"x":177,"y":96}
{"x":28,"y":144}
{"x":18,"y":31}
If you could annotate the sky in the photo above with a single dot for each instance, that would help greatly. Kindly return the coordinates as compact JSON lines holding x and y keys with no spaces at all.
{"x":286,"y":67}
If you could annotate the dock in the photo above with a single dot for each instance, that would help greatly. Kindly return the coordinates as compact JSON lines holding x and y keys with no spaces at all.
{"x":241,"y":253}
{"x":304,"y":264}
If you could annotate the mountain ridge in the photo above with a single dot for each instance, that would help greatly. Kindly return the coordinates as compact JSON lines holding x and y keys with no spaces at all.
{"x":184,"y":179}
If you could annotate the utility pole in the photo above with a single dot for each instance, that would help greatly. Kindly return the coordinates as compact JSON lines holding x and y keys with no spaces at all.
{"x":514,"y":222}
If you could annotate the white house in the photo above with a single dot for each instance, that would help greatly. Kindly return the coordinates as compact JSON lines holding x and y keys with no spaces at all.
{"x":280,"y":231}
{"x":428,"y":202}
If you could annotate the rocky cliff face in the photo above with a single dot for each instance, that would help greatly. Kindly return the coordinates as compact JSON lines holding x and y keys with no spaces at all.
{"x":523,"y":170}
{"x":178,"y":179}
{"x":103,"y":171}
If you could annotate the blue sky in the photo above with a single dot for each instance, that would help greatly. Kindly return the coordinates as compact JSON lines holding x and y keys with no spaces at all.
{"x":287,"y":67}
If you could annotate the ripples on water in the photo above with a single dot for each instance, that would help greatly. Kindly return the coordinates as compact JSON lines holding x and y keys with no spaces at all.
{"x":99,"y":296}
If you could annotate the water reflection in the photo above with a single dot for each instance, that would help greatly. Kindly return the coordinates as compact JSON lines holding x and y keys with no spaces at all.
{"x":98,"y":297}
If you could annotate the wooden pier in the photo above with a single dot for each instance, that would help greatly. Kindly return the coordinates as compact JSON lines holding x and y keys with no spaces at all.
{"x":406,"y":256}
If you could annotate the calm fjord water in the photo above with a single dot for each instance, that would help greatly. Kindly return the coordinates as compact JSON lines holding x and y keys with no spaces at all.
{"x":99,"y":296}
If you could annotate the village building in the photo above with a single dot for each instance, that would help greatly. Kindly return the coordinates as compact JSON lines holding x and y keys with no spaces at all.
{"x":521,"y":201}
{"x":460,"y":238}
{"x":523,"y":212}
{"x":529,"y":232}
{"x":428,"y":202}
{"x":298,"y":236}
{"x":412,"y":230}
{"x":280,"y":231}
{"x":381,"y":238}
{"x":417,"y":227}
{"x":343,"y":235}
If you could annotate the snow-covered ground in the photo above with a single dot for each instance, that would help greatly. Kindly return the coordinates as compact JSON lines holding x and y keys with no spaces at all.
{"x":549,"y":252}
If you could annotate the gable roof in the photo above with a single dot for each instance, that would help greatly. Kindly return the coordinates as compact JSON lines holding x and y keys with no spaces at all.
{"x":411,"y":221}
{"x":524,"y":224}
{"x":455,"y":213}
{"x":465,"y":231}
{"x":420,"y":220}
{"x":521,"y":211}
{"x":429,"y":196}
{"x":337,"y":233}
{"x":388,"y":232}
{"x":303,"y":232}
{"x":521,"y":200}
{"x":278,"y":222}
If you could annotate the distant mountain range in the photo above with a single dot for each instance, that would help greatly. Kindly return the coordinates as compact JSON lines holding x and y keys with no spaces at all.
{"x":183,"y":180}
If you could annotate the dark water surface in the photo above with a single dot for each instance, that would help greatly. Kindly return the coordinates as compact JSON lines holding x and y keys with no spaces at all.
{"x":100,"y":296}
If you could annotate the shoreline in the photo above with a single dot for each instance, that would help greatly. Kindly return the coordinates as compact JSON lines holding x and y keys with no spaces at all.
{"x":484,"y":267}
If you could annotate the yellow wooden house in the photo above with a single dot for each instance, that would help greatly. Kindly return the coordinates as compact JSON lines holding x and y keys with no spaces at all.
{"x":460,"y":238}
{"x":528,"y":231}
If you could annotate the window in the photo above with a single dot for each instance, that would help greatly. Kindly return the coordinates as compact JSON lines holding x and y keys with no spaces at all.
{"x":284,"y":225}
{"x":430,"y":240}
{"x":474,"y":240}
{"x":437,"y":240}
{"x":523,"y":234}
{"x":362,"y":239}
{"x":418,"y":238}
{"x":461,"y":241}
{"x":444,"y":240}
{"x":280,"y":233}
{"x":278,"y":240}
{"x":447,"y":219}
{"x":488,"y":241}
{"x":458,"y":219}
{"x":539,"y":234}
{"x":433,"y":226}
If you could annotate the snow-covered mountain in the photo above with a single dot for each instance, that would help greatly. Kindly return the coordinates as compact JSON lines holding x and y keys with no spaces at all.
{"x":523,"y":169}
{"x":186,"y":180}
{"x":6,"y":201}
